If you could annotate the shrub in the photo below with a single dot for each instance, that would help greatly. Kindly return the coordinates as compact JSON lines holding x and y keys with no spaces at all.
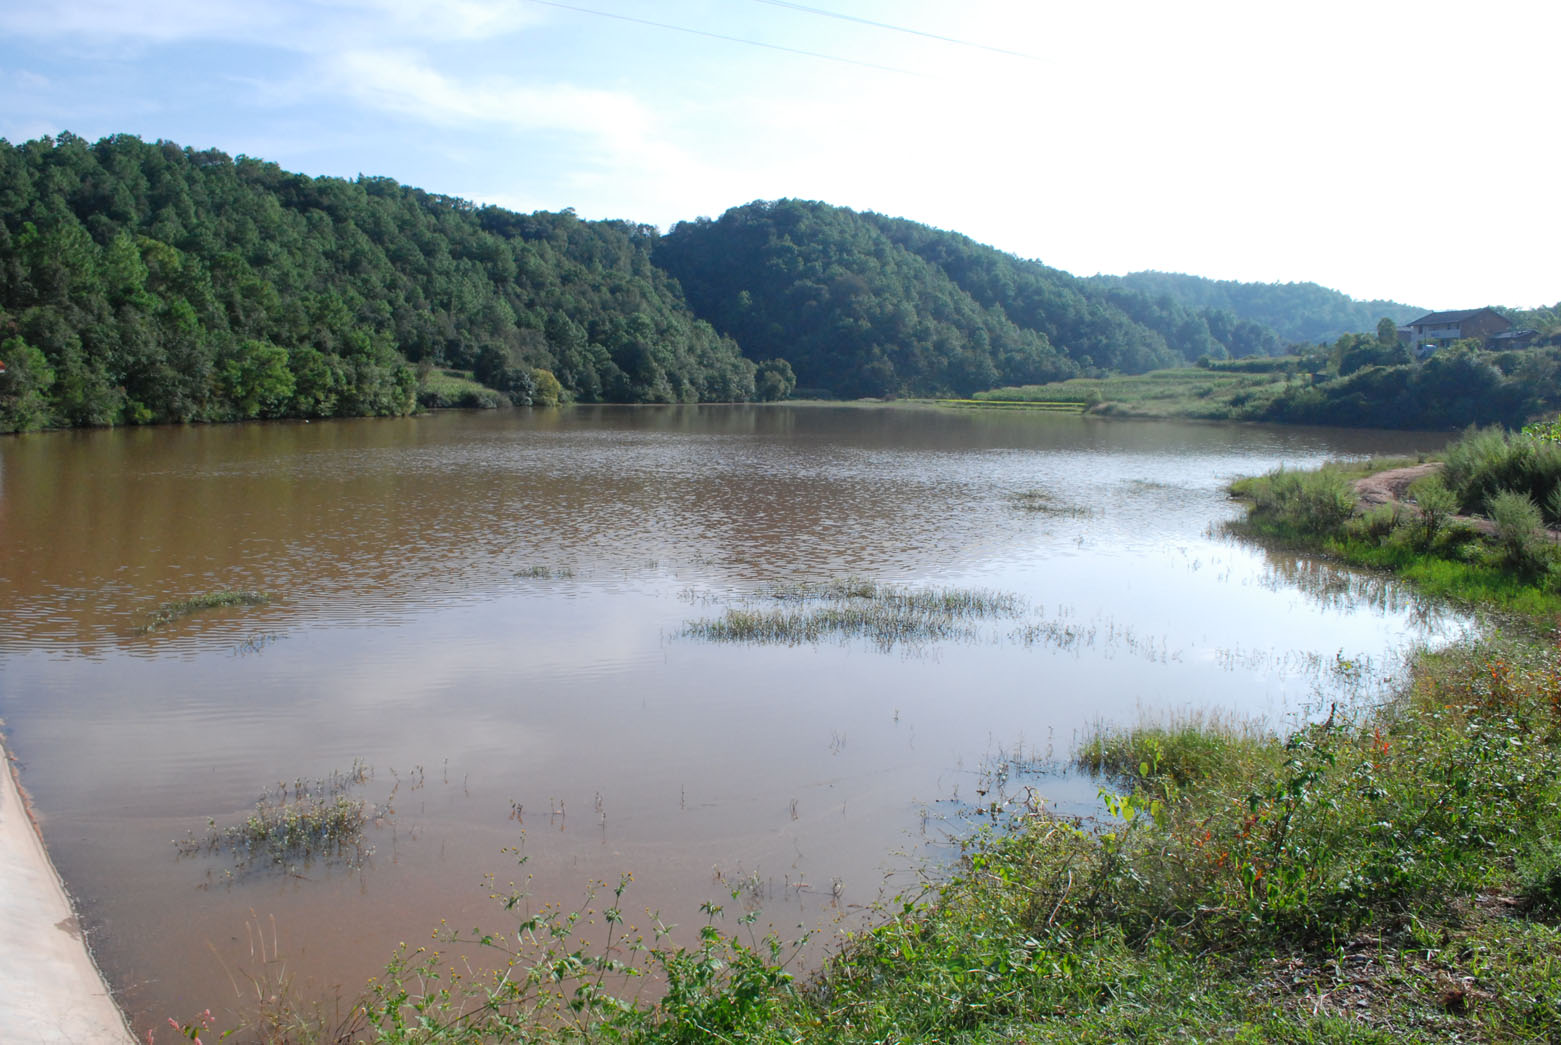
{"x":1307,"y":502}
{"x":1487,"y":461}
{"x":1378,"y":524}
{"x":1518,"y":538}
{"x":1436,"y":504}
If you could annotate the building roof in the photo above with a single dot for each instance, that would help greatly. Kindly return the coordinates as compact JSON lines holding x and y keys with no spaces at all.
{"x":1447,"y":318}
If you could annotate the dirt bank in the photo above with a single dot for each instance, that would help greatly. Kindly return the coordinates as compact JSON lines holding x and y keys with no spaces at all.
{"x":1392,"y":485}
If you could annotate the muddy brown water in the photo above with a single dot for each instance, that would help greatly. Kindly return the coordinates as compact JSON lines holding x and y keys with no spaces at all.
{"x":486,"y":607}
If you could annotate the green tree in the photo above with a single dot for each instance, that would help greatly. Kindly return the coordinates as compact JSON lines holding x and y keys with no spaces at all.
{"x":548,"y":390}
{"x":774,"y":380}
{"x":25,"y":380}
{"x":257,"y":380}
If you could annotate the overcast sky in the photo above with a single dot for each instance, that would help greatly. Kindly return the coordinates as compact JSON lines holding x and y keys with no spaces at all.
{"x":1393,"y":150}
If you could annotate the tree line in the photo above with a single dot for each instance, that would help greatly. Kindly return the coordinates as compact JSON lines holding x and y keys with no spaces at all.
{"x":149,"y":282}
{"x":152,"y":283}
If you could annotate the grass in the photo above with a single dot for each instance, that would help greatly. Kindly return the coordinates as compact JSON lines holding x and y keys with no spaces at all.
{"x":1516,"y":572}
{"x":456,"y":388}
{"x":1198,"y":392}
{"x":169,"y":612}
{"x":1066,"y":406}
{"x":1043,"y":503}
{"x":886,"y":615}
{"x":544,"y":573}
{"x":296,"y":824}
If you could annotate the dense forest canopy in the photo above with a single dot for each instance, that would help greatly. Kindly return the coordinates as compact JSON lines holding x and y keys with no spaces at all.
{"x":1297,"y":312}
{"x":146,"y":282}
{"x":862,"y":304}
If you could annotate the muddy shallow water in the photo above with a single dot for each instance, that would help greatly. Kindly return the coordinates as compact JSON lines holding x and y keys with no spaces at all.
{"x":487,"y":609}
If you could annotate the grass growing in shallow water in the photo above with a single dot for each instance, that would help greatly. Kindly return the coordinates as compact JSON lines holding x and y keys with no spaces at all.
{"x":295,"y":824}
{"x":1384,"y":875}
{"x":852,"y":608}
{"x":1043,"y":503}
{"x":169,"y":612}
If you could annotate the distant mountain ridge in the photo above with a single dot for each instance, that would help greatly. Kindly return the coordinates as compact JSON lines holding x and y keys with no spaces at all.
{"x":1300,"y":313}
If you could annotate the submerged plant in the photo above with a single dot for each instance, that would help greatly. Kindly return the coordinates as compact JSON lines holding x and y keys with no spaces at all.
{"x":1043,"y":503}
{"x":851,"y":608}
{"x":169,"y":612}
{"x":295,"y":823}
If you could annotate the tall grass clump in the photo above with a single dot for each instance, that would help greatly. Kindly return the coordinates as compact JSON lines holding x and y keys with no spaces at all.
{"x":1520,"y":541}
{"x":1486,"y":461}
{"x":1288,"y":503}
{"x":1436,"y":505}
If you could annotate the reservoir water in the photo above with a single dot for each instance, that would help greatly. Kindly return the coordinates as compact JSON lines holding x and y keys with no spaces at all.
{"x":488,"y":611}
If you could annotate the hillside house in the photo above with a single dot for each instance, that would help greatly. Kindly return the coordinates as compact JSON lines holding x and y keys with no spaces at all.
{"x":1435,"y":329}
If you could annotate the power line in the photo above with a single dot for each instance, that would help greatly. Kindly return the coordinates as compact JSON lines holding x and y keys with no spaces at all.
{"x":729,"y":39}
{"x":897,"y":28}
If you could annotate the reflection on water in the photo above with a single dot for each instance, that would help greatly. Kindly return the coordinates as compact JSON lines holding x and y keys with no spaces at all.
{"x":501,"y":596}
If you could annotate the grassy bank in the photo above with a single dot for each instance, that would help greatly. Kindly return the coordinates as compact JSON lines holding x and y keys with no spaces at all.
{"x":1474,"y":531}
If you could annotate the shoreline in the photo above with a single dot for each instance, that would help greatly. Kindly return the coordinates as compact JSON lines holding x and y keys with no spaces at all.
{"x":52,"y":989}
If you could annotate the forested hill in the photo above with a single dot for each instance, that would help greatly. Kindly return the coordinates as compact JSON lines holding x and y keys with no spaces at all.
{"x":861,"y":304}
{"x":1302,"y":313}
{"x":148,"y":282}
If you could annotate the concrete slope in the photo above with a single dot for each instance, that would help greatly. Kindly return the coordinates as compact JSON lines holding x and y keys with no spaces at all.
{"x":50,"y":990}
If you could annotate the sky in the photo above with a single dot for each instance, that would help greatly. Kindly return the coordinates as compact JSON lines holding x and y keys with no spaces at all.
{"x":1395,"y":150}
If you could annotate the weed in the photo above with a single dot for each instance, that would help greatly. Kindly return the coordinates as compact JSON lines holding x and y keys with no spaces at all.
{"x":1317,"y":502}
{"x":296,"y":823}
{"x":851,"y":608}
{"x":543,"y":573}
{"x":169,"y":612}
{"x":1436,"y":504}
{"x":1486,"y":461}
{"x":1521,"y":547}
{"x":1043,"y":503}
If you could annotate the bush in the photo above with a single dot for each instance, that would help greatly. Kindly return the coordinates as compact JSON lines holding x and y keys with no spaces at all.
{"x":1519,"y":541}
{"x":1316,"y":503}
{"x":1378,"y":524}
{"x":1436,"y":504}
{"x":1487,"y":461}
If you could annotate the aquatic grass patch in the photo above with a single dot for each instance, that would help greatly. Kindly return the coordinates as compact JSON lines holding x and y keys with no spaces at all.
{"x":853,"y":608}
{"x":1041,"y":502}
{"x":295,"y":824}
{"x":541,"y":572}
{"x":169,"y":612}
{"x":1064,"y":406}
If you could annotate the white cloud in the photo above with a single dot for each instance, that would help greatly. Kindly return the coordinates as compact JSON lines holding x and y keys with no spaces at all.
{"x":404,"y":82}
